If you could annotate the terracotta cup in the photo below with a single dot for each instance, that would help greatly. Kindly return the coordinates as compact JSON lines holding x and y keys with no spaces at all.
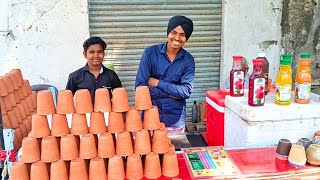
{"x":68,"y":148}
{"x":120,"y":100}
{"x":116,"y":168}
{"x":313,"y":154}
{"x":88,"y":148}
{"x":97,"y":123}
{"x":65,"y":103}
{"x":45,"y":104}
{"x":40,"y":126}
{"x":18,"y":76}
{"x":115,"y":122}
{"x":283,"y":149}
{"x":58,"y":170}
{"x":172,"y":149}
{"x":78,"y":170}
{"x":24,"y":130}
{"x":49,"y":149}
{"x":160,"y":143}
{"x":7,"y":84}
{"x":59,"y":125}
{"x":39,"y":171}
{"x":124,"y":144}
{"x":7,"y":102}
{"x":297,"y":156}
{"x":18,"y":115}
{"x":25,"y":106}
{"x":97,"y":169}
{"x":13,"y":81}
{"x":19,"y":171}
{"x":6,"y":121}
{"x":162,"y":126}
{"x":133,"y":120}
{"x":34,"y":98}
{"x":22,"y":111}
{"x":170,"y":167}
{"x":83,"y":102}
{"x":30,"y":150}
{"x":3,"y":87}
{"x":142,"y":98}
{"x":134,"y":169}
{"x":13,"y":119}
{"x":102,"y":102}
{"x":27,"y":86}
{"x":28,"y":122}
{"x":79,"y":124}
{"x":142,"y":143}
{"x":30,"y":104}
{"x":151,"y":119}
{"x":152,"y":167}
{"x":3,"y":107}
{"x":317,"y":133}
{"x":16,"y":96}
{"x":305,"y":142}
{"x":106,"y":148}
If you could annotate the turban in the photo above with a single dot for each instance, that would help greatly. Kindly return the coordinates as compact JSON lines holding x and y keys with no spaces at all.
{"x":182,"y":21}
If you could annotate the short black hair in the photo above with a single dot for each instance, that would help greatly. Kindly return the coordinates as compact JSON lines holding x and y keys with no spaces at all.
{"x":92,"y":41}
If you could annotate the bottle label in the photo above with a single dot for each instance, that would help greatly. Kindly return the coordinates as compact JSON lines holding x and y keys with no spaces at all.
{"x":258,"y":90}
{"x":238,"y":82}
{"x":303,"y":91}
{"x":283,"y":93}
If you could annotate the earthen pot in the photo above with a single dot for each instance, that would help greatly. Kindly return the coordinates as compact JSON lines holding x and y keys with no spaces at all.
{"x":134,"y":168}
{"x":79,"y":124}
{"x":7,"y":84}
{"x":13,"y":119}
{"x":68,"y":148}
{"x":102,"y":102}
{"x":142,"y":98}
{"x":317,"y":133}
{"x":28,"y":122}
{"x":27,"y":86}
{"x":6,"y":122}
{"x":170,"y":167}
{"x":78,"y":170}
{"x":283,"y":149}
{"x":25,"y":106}
{"x":3,"y":87}
{"x":97,"y":123}
{"x":3,"y":107}
{"x":58,"y":171}
{"x":115,"y":122}
{"x":40,"y":126}
{"x":133,"y":120}
{"x":142,"y":143}
{"x":39,"y":171}
{"x":162,"y":126}
{"x":24,"y":130}
{"x":7,"y":102}
{"x":18,"y":115}
{"x":59,"y":125}
{"x":45,"y":104}
{"x":116,"y":168}
{"x":97,"y":169}
{"x":151,"y":119}
{"x":124,"y":144}
{"x":297,"y":156}
{"x":83,"y":102}
{"x":160,"y":143}
{"x":18,"y":76}
{"x":313,"y":154}
{"x":49,"y":149}
{"x":22,"y":111}
{"x":106,"y":146}
{"x":65,"y":103}
{"x":13,"y":81}
{"x":30,"y":104}
{"x":152,"y":167}
{"x":16,"y":96}
{"x":19,"y":171}
{"x":172,"y":149}
{"x":34,"y":98}
{"x":120,"y":100}
{"x":305,"y":142}
{"x":88,"y":148}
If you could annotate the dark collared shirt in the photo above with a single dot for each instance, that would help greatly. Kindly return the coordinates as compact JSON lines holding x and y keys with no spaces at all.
{"x":176,"y":80}
{"x":84,"y":79}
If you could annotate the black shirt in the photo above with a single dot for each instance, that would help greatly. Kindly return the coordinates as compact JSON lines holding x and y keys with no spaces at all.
{"x":84,"y":79}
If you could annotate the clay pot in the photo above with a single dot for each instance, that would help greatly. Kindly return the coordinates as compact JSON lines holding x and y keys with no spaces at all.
{"x":88,"y":148}
{"x":34,"y":98}
{"x":297,"y":156}
{"x":68,"y":148}
{"x":30,"y":150}
{"x":20,"y":94}
{"x":133,"y":120}
{"x":97,"y":169}
{"x":9,"y":101}
{"x":124,"y":144}
{"x":3,"y":87}
{"x":16,"y":96}
{"x":283,"y":149}
{"x":7,"y":84}
{"x":79,"y":124}
{"x":18,"y":115}
{"x":18,"y":76}
{"x":120,"y":100}
{"x":106,"y":147}
{"x":83,"y":102}
{"x":116,"y":168}
{"x":162,"y":126}
{"x":151,"y":119}
{"x":305,"y":142}
{"x":13,"y":81}
{"x":142,"y":98}
{"x":49,"y":149}
{"x":59,"y":125}
{"x":115,"y":122}
{"x":142,"y":143}
{"x":313,"y":154}
{"x":19,"y":171}
{"x":27,"y":86}
{"x":24,"y":130}
{"x":102,"y":101}
{"x":40,"y":126}
{"x":134,"y":169}
{"x":170,"y":167}
{"x":97,"y":123}
{"x":13,"y":119}
{"x":21,"y":110}
{"x":317,"y":133}
{"x":45,"y":104}
{"x":29,"y":102}
{"x":39,"y":171}
{"x":78,"y":170}
{"x":6,"y":122}
{"x":58,"y":171}
{"x":65,"y":102}
{"x":160,"y":143}
{"x":25,"y":107}
{"x":27,"y":122}
{"x":172,"y":149}
{"x":3,"y":107}
{"x":152,"y":167}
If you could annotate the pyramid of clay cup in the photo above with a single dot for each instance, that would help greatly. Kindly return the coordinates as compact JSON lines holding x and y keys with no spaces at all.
{"x":132,"y":149}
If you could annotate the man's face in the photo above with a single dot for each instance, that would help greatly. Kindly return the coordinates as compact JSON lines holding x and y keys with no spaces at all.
{"x":176,"y":38}
{"x":94,"y":55}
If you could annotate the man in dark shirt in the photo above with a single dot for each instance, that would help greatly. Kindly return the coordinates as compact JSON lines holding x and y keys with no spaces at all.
{"x":168,"y":70}
{"x":94,"y":74}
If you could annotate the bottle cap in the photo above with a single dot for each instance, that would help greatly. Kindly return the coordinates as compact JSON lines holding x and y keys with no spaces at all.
{"x":257,"y":62}
{"x":237,"y":58}
{"x":305,"y":56}
{"x":261,"y":54}
{"x":286,"y":59}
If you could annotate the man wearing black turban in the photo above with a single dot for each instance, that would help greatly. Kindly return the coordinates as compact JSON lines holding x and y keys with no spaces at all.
{"x":168,"y":70}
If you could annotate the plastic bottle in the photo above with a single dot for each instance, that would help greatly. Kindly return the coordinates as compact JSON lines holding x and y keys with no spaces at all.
{"x":195,"y":112}
{"x":237,"y":77}
{"x":284,"y":81}
{"x":303,"y":80}
{"x":257,"y":85}
{"x":265,"y":69}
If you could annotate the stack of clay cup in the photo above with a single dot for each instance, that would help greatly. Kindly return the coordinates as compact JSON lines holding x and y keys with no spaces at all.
{"x":18,"y":104}
{"x":103,"y":140}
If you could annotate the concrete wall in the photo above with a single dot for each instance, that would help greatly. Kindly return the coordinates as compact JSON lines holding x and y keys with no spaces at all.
{"x":44,"y":39}
{"x":250,"y":27}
